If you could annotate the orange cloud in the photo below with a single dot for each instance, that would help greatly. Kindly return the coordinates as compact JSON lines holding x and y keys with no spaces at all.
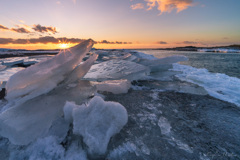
{"x":169,"y":5}
{"x":137,"y":6}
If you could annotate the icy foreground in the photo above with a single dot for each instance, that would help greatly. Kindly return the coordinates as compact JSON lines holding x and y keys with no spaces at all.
{"x":117,"y":104}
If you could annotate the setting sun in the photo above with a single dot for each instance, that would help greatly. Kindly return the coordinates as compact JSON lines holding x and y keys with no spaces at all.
{"x":64,"y":45}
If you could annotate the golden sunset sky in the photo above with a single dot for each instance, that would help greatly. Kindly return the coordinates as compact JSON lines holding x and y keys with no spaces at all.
{"x":48,"y":24}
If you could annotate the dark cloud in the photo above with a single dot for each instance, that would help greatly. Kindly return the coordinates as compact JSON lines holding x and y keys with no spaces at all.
{"x":20,"y":41}
{"x":50,"y":39}
{"x":44,"y":29}
{"x":6,"y":40}
{"x":3,"y":27}
{"x":44,"y":40}
{"x":161,"y":42}
{"x":20,"y":30}
{"x":189,"y":42}
{"x":116,"y":42}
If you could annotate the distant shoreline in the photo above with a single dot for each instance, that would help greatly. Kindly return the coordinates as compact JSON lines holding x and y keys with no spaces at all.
{"x":24,"y":53}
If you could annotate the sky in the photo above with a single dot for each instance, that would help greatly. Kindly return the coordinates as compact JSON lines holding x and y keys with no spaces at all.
{"x":51,"y":24}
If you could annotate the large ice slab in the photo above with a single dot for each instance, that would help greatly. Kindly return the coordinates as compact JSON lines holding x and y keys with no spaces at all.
{"x":117,"y":69}
{"x":97,"y":122}
{"x":44,"y":76}
{"x":162,"y":64}
{"x":34,"y":118}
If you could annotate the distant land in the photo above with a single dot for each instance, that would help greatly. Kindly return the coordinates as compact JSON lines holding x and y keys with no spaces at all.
{"x":5,"y":53}
{"x":194,"y":48}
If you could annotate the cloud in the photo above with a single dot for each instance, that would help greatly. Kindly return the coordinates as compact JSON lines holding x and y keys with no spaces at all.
{"x":116,"y":42}
{"x":189,"y":42}
{"x":21,"y":21}
{"x":50,"y":39}
{"x":168,"y":5}
{"x":44,"y":29}
{"x":6,"y":40}
{"x":20,"y":30}
{"x":137,"y":6}
{"x":161,"y":42}
{"x":3,"y":27}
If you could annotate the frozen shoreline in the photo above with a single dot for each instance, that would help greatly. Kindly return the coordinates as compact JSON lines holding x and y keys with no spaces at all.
{"x":167,"y":118}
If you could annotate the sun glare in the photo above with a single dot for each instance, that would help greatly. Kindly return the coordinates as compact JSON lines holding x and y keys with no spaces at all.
{"x":64,"y":45}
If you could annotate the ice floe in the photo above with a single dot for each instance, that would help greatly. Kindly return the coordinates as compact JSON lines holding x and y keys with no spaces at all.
{"x":218,"y":85}
{"x":117,"y":69}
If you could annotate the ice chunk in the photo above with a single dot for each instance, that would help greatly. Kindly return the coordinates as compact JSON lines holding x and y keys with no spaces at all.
{"x":117,"y":69}
{"x":8,"y":72}
{"x":45,"y":149}
{"x":82,"y":69}
{"x":114,"y":86}
{"x":13,"y":62}
{"x":164,"y":126}
{"x":2,"y":67}
{"x":144,"y":56}
{"x":218,"y":85}
{"x":44,"y":76}
{"x":37,"y":117}
{"x":97,"y":122}
{"x":162,"y":64}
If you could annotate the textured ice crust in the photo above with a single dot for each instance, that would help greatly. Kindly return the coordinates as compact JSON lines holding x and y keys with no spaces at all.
{"x":97,"y":122}
{"x":44,"y":76}
{"x":117,"y":69}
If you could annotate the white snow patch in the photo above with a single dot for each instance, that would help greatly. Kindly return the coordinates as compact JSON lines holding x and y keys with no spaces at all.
{"x":122,"y":149}
{"x":164,"y":126}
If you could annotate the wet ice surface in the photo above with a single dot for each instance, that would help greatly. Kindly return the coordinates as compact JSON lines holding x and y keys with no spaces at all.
{"x":168,"y":117}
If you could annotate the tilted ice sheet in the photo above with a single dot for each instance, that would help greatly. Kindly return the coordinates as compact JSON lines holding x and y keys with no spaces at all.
{"x":218,"y":85}
{"x":117,"y":69}
{"x":97,"y":122}
{"x":44,"y":76}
